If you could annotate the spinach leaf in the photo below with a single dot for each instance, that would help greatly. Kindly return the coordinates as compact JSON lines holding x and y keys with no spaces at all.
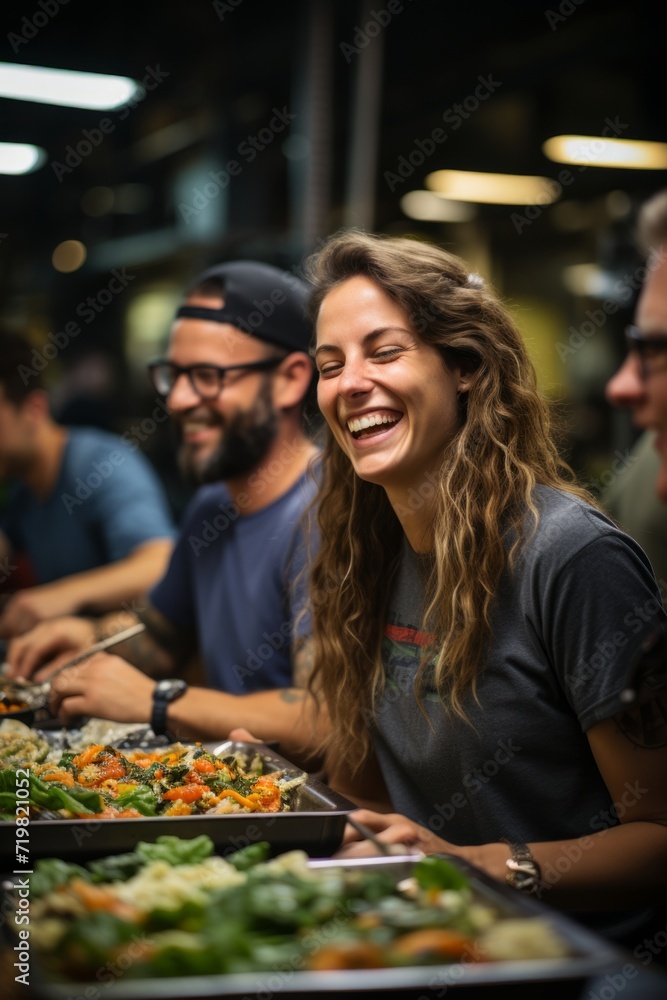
{"x":249,"y":856}
{"x":51,"y":873}
{"x":142,"y":798}
{"x":438,"y":873}
{"x":175,"y":851}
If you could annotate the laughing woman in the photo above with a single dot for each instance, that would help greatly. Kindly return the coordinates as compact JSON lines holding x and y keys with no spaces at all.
{"x":475,"y":615}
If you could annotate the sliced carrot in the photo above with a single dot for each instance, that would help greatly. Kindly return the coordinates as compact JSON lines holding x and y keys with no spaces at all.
{"x":63,"y":776}
{"x":269,"y":793}
{"x":204,"y":766}
{"x":432,"y":941}
{"x":87,"y":755}
{"x":96,"y":897}
{"x":186,"y":793}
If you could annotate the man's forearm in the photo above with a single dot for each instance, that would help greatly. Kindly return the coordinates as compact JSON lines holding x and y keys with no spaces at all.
{"x":286,"y":715}
{"x":107,"y":587}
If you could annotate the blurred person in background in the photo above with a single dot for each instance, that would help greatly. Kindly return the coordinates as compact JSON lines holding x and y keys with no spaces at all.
{"x":84,"y":506}
{"x":476,"y":641}
{"x":638,"y":496}
{"x":640,"y":384}
{"x":236,"y":379}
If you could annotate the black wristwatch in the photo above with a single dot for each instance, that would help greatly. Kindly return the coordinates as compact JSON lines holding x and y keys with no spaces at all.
{"x":163,"y":694}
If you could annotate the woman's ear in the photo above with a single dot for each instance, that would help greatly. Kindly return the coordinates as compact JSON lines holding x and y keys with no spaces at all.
{"x":465,"y":379}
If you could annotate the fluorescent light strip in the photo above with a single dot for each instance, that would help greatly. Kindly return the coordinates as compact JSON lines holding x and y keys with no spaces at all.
{"x":493,"y":189}
{"x":20,"y":158}
{"x":593,"y":151}
{"x":65,"y":87}
{"x":430,"y":207}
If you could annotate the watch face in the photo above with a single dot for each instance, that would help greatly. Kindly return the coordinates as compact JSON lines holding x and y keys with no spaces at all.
{"x":168,"y":690}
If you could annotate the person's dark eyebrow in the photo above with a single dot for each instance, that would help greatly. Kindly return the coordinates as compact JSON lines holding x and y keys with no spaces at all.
{"x":366,"y":338}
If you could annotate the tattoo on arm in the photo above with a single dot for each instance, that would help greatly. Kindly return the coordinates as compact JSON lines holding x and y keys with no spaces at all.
{"x":645,"y":724}
{"x":162,"y":648}
{"x":302,"y":662}
{"x":291,"y":695}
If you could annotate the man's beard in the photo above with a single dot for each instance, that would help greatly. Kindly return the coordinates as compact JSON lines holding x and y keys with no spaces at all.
{"x":246,"y":439}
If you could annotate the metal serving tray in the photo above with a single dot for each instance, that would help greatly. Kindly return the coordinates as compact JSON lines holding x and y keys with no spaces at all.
{"x":315,"y":825}
{"x":591,"y":955}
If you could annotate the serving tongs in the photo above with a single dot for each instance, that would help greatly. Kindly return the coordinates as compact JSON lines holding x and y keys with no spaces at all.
{"x":23,"y":688}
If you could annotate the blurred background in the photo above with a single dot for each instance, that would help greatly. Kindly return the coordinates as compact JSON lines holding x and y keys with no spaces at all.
{"x":252,"y":129}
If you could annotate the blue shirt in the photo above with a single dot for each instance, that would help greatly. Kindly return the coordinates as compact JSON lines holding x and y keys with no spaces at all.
{"x":106,"y":501}
{"x":237,"y":580}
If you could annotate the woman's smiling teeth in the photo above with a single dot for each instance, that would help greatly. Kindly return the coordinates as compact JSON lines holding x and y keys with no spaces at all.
{"x":371,"y":423}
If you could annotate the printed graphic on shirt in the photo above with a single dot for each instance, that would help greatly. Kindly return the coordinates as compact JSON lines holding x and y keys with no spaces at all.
{"x":402,"y":651}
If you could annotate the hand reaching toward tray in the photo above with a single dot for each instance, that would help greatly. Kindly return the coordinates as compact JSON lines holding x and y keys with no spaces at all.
{"x":390,"y":829}
{"x":106,"y":687}
{"x":40,"y":651}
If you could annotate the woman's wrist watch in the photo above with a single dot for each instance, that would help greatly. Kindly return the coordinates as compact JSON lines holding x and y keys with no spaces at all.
{"x":164,"y":693}
{"x":523,"y":871}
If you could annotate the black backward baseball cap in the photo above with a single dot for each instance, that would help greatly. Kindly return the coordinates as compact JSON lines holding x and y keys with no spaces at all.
{"x":261,"y":300}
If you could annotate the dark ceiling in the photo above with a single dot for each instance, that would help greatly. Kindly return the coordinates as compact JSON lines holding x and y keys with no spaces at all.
{"x":218,"y":72}
{"x":568,"y":68}
{"x":219,"y":69}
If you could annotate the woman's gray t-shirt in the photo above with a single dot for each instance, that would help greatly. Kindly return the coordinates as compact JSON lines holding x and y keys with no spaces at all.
{"x":566,"y":626}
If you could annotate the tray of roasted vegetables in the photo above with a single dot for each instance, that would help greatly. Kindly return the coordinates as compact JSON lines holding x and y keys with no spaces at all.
{"x":171,"y":919}
{"x":102,"y":798}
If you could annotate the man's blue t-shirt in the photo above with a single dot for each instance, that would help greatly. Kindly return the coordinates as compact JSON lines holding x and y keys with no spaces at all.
{"x":236,"y":580}
{"x":106,"y":502}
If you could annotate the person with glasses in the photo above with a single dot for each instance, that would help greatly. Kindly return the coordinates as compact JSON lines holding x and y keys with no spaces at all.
{"x":637,"y":497}
{"x":235,"y":379}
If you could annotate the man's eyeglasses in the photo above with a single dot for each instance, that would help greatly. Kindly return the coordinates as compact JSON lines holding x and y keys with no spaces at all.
{"x":207,"y":381}
{"x":648,"y":348}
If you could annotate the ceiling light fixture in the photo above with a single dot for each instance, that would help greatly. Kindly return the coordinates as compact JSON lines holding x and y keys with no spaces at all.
{"x":594,"y":151}
{"x":430,"y":207}
{"x":20,"y":157}
{"x":493,"y":189}
{"x":65,"y":87}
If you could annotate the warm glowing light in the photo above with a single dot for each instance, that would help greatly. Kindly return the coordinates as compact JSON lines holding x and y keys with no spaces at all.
{"x":20,"y":158}
{"x":65,"y":87}
{"x":69,"y":256}
{"x":586,"y":280}
{"x":430,"y":207}
{"x":493,"y":189}
{"x":593,"y":151}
